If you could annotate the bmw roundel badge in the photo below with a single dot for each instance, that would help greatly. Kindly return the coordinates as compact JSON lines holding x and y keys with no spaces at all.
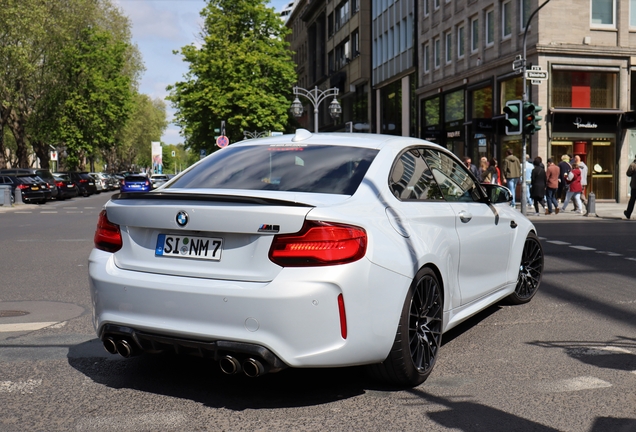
{"x":182,"y":218}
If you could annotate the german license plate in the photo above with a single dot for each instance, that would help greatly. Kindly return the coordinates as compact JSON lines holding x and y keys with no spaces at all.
{"x":35,"y":188}
{"x":175,"y":246}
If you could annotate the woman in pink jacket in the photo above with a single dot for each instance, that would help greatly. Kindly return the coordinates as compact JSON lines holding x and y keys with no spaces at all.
{"x":574,"y":180}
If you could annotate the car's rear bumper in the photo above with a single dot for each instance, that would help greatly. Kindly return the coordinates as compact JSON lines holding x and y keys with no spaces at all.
{"x":295,"y":316}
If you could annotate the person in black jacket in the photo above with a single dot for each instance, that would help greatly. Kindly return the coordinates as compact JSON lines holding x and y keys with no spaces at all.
{"x":631,"y":172}
{"x":537,"y":185}
{"x":564,"y":169}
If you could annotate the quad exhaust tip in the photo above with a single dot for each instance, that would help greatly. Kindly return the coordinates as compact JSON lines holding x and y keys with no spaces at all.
{"x":253,"y":368}
{"x":230,"y":365}
{"x":124,"y":348}
{"x":110,"y":345}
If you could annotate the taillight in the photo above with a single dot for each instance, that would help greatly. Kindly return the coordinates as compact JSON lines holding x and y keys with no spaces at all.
{"x":83,"y":181}
{"x":59,"y":184}
{"x":319,"y":244}
{"x":107,"y":235}
{"x":22,"y":186}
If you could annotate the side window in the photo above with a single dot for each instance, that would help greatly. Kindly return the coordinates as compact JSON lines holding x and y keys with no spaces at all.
{"x":412,"y":180}
{"x":454,"y":180}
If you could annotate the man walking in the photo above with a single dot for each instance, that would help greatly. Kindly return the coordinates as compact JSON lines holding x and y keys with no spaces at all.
{"x":565,"y":168}
{"x":512,"y":172}
{"x":552,"y":183}
{"x":631,"y":172}
{"x":473,"y":169}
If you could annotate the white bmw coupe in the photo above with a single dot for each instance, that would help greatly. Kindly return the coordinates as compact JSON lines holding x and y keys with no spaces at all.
{"x":310,"y":250}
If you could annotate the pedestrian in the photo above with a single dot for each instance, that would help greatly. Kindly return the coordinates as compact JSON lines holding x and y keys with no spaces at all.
{"x":469,"y":164}
{"x":483,"y":166}
{"x":490,"y":174}
{"x":538,"y":184}
{"x":552,"y":184}
{"x":584,"y":171}
{"x":573,"y":178}
{"x":512,"y":173}
{"x":564,"y":169}
{"x":498,"y":172}
{"x":528,"y":178}
{"x":631,"y":172}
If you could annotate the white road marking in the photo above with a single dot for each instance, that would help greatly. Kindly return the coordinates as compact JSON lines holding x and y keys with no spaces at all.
{"x":631,"y":259}
{"x":573,"y":384}
{"x":69,"y":208}
{"x":150,"y":421}
{"x":583,"y":248}
{"x":601,"y":351}
{"x":20,"y":386}
{"x":42,"y":212}
{"x":20,"y":327}
{"x":24,"y":212}
{"x":90,"y":208}
{"x":75,"y":211}
{"x":557,"y":242}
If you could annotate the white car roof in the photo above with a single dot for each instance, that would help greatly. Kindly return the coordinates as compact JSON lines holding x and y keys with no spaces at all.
{"x":366,"y":140}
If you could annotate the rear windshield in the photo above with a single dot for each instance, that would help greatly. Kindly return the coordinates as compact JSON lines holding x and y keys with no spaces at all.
{"x":298,"y":168}
{"x":136,"y":178}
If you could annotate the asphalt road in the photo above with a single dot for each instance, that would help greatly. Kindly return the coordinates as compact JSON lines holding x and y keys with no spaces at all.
{"x":566,"y":361}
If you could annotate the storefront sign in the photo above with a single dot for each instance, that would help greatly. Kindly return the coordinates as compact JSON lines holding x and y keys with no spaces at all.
{"x":483,"y":125}
{"x":589,"y":123}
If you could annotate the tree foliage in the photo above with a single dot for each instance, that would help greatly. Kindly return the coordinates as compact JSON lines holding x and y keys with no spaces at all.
{"x":70,"y":72}
{"x":243,"y":73}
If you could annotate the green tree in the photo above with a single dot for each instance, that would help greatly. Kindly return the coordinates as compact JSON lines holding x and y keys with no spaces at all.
{"x":243,"y":73}
{"x":36,"y":39}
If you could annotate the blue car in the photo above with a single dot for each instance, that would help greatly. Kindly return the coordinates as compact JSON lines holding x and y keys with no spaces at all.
{"x":135,"y":183}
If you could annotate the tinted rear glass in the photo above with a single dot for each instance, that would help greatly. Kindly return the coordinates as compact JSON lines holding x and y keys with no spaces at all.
{"x":318,"y":169}
{"x":136,"y":178}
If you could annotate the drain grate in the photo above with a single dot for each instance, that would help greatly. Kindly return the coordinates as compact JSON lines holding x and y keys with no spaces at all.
{"x":12,"y":313}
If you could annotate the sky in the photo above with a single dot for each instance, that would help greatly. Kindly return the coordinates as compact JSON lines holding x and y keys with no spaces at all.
{"x":158,"y":28}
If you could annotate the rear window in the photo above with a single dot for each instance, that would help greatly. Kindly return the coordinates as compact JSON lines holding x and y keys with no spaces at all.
{"x":136,"y":178}
{"x":298,"y":168}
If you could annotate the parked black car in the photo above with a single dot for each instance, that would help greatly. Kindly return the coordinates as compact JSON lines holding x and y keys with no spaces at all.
{"x":32,"y":188}
{"x":65,"y":186}
{"x":43,"y":173}
{"x":84,"y":182}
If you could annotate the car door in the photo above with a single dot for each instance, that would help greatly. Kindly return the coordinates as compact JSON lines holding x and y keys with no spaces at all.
{"x":484,"y":235}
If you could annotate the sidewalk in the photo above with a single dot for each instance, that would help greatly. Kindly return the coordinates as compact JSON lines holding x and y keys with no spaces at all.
{"x":604,"y":210}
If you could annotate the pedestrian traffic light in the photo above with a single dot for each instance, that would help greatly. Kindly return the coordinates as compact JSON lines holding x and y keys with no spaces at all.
{"x":513,"y":117}
{"x":531,"y":118}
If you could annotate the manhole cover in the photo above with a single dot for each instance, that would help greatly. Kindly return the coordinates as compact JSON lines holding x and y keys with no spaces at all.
{"x":12,"y":313}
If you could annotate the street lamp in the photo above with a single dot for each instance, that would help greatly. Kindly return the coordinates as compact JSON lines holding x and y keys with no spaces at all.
{"x":316,"y":96}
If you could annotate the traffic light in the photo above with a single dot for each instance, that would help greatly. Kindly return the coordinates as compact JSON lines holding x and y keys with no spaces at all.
{"x":531,"y":118}
{"x":513,"y":117}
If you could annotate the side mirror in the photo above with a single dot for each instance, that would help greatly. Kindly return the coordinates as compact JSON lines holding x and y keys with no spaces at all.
{"x":497,"y":194}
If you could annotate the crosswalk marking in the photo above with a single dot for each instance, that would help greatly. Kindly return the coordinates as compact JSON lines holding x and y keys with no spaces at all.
{"x":20,"y":327}
{"x":20,"y":386}
{"x":573,"y":384}
{"x":584,"y":248}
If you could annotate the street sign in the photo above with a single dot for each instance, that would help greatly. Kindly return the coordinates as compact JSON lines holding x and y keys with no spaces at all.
{"x":536,"y":74}
{"x":517,"y":64}
{"x":536,"y":82}
{"x":222,"y":141}
{"x":202,"y":153}
{"x":54,"y":155}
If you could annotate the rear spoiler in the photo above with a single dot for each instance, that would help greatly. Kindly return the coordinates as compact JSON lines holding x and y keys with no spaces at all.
{"x":189,"y":196}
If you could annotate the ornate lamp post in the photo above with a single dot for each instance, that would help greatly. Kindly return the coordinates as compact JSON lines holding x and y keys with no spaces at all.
{"x":316,"y":96}
{"x":255,"y":134}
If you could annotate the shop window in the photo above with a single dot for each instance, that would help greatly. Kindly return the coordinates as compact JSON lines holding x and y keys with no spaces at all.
{"x":572,"y":89}
{"x":511,"y":89}
{"x":482,"y":103}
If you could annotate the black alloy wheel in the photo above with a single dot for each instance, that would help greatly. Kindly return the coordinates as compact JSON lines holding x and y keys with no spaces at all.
{"x":419,"y":334}
{"x":530,"y":271}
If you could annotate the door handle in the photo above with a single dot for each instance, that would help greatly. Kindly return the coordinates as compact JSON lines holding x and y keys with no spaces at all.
{"x":513,"y":224}
{"x":465,"y":217}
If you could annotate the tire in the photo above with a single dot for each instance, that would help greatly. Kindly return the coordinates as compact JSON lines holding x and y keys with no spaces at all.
{"x":530,"y":271}
{"x":418,"y":337}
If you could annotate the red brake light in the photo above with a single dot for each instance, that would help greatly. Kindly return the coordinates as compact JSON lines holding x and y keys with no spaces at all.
{"x":319,"y":244}
{"x":59,"y":184}
{"x":107,"y":235}
{"x":22,"y":186}
{"x":83,"y":181}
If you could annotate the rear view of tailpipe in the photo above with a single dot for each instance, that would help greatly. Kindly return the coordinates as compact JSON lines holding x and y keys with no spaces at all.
{"x":230,"y":365}
{"x":253,"y":368}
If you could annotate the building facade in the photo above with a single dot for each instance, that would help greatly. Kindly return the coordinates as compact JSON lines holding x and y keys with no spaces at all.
{"x":394,"y":64}
{"x":331,"y":41}
{"x":588,"y":49}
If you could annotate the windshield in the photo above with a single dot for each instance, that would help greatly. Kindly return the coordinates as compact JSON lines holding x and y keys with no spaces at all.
{"x":298,"y":168}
